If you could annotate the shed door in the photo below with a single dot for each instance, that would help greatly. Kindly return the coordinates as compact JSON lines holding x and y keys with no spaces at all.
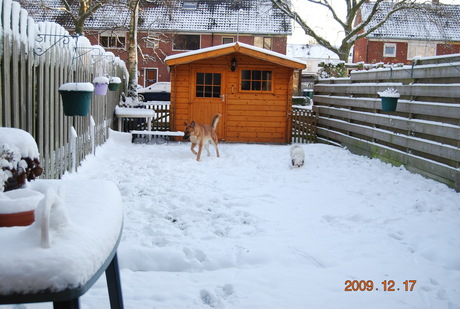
{"x":208,"y":96}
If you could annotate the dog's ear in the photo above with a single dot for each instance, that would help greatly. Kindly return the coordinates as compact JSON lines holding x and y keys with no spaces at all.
{"x":192,"y":124}
{"x":185,"y":123}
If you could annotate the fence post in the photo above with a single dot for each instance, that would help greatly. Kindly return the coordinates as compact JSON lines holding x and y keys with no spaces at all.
{"x":73,"y":149}
{"x":92,"y":126}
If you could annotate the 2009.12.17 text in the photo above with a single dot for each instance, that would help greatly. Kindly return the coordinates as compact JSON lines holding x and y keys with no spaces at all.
{"x":386,"y":286}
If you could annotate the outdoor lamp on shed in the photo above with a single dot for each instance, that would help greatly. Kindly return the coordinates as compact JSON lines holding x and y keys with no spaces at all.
{"x":233,"y":64}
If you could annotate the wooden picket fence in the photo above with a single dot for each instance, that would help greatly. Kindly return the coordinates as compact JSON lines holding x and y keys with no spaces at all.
{"x":423,"y":134}
{"x":303,"y":125}
{"x":36,"y":58}
{"x":159,"y":123}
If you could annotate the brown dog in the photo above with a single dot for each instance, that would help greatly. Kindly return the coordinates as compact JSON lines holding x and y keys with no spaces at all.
{"x":202,"y":135}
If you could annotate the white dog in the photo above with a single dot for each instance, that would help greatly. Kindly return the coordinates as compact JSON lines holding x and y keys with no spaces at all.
{"x":297,"y":156}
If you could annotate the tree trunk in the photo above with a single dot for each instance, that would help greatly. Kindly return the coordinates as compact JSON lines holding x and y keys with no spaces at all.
{"x":132,"y":50}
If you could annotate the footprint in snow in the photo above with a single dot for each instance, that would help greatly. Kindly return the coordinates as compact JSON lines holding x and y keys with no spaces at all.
{"x":215,"y":300}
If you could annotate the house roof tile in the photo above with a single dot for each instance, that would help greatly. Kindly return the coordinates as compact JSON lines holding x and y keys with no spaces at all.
{"x":427,"y":22}
{"x":210,"y":16}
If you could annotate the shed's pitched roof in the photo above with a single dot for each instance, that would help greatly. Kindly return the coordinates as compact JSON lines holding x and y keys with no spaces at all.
{"x":209,"y":16}
{"x":428,"y":22}
{"x":236,"y":47}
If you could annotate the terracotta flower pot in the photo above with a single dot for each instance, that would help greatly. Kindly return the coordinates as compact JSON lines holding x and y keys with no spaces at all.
{"x":18,"y":207}
{"x":23,"y":218}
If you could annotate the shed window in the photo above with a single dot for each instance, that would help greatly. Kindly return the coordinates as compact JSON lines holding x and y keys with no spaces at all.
{"x":256,"y":80}
{"x":208,"y":85}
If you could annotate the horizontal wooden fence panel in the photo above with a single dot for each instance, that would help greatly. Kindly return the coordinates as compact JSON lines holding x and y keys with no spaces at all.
{"x":438,"y":91}
{"x":435,"y":129}
{"x":441,"y":71}
{"x":422,"y":145}
{"x":446,"y":110}
{"x":423,"y":133}
{"x":428,"y":168}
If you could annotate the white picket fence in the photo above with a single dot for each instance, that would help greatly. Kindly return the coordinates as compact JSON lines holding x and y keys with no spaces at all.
{"x":36,"y":58}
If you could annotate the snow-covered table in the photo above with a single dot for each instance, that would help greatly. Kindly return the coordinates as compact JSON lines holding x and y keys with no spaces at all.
{"x":79,"y":252}
{"x":131,"y":112}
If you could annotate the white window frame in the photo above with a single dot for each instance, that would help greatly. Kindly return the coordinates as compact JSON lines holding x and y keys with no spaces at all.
{"x":190,"y":5}
{"x":389,"y":45}
{"x":421,"y":49}
{"x":152,"y":41}
{"x":228,"y":38}
{"x":265,"y":42}
{"x":113,"y":34}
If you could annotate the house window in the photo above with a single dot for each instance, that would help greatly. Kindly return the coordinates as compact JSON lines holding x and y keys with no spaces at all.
{"x":208,"y":85}
{"x":263,"y":42}
{"x":389,"y":50}
{"x":256,"y":80}
{"x":186,"y":42}
{"x":152,"y":41}
{"x":112,"y":40}
{"x":190,"y":5}
{"x":421,"y":49}
{"x":150,"y":77}
{"x":227,"y":40}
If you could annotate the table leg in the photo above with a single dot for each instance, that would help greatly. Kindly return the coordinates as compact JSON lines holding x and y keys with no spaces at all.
{"x":149,"y":126}
{"x":68,"y":304}
{"x":120,"y":121}
{"x":112,"y":274}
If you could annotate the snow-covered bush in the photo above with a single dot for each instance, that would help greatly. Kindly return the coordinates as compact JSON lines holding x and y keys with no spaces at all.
{"x":389,"y":93}
{"x":332,"y":69}
{"x":19,"y":158}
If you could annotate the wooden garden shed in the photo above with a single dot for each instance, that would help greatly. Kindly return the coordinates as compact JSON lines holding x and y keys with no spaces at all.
{"x":251,"y":87}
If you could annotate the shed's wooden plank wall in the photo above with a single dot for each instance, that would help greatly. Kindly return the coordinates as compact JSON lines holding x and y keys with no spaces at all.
{"x":247,"y":117}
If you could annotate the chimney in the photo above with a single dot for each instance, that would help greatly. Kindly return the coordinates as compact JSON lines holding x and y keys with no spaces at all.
{"x":435,"y":2}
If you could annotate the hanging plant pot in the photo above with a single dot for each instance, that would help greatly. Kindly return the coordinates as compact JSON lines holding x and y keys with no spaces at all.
{"x":389,"y":104}
{"x":114,"y":83}
{"x":18,"y":207}
{"x":76,"y":98}
{"x":389,"y":99}
{"x":101,"y":83}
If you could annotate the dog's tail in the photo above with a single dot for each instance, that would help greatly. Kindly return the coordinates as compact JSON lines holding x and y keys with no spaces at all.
{"x":215,"y":120}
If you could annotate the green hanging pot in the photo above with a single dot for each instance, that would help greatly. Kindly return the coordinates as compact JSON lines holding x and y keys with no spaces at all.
{"x":114,"y":83}
{"x":76,"y":98}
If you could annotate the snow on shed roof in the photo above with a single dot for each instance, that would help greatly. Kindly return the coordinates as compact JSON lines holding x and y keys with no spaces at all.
{"x":223,"y":16}
{"x":427,"y":22}
{"x":225,"y":49}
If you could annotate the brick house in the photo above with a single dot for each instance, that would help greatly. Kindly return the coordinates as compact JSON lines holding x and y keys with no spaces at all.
{"x":188,"y":25}
{"x":431,"y":30}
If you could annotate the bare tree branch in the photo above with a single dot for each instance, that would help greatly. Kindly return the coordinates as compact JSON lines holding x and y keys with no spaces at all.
{"x":351,"y":32}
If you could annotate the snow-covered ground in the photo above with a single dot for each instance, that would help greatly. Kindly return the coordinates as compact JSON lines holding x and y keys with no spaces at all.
{"x":247,"y":231}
